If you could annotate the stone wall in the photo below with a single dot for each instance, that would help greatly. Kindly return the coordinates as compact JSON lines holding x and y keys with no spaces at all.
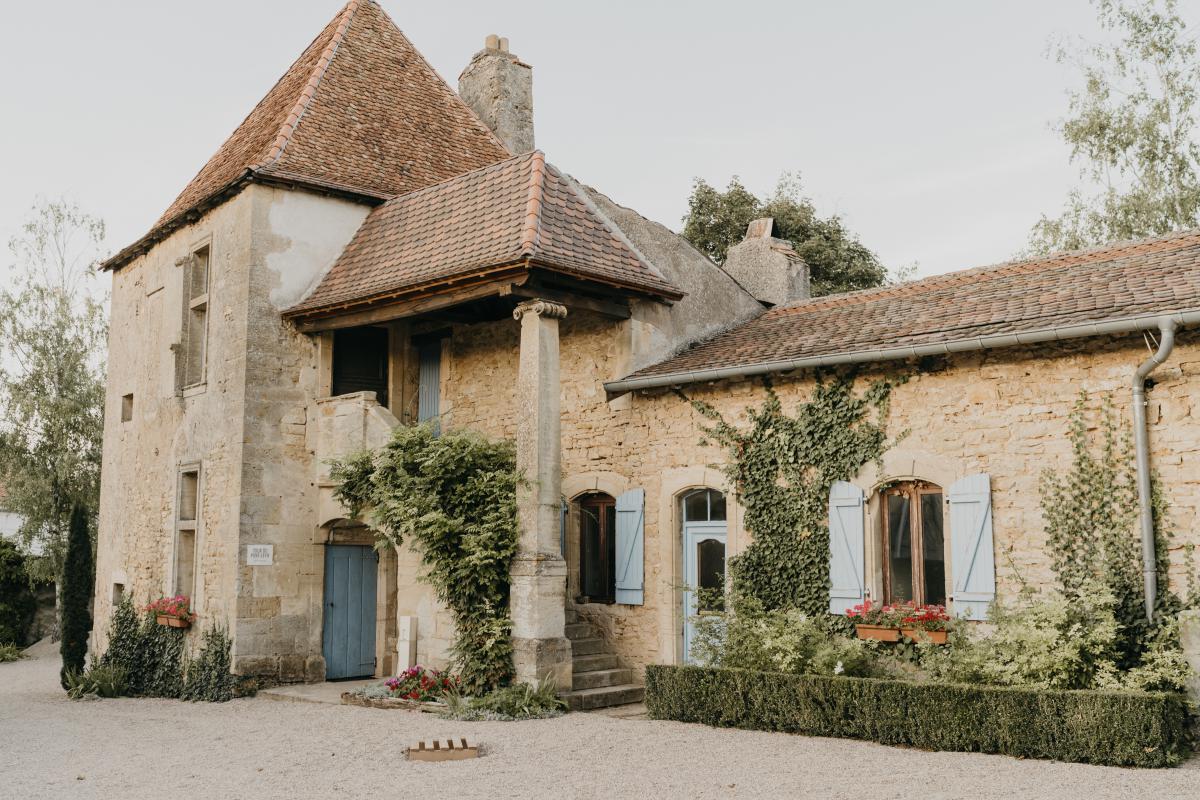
{"x":1002,"y":412}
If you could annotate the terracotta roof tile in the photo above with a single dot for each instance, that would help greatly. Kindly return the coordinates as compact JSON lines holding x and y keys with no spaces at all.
{"x":360,"y":112}
{"x":518,"y":210}
{"x":1150,"y":276}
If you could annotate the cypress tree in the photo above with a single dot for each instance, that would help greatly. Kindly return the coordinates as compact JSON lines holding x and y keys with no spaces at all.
{"x":77,"y":579}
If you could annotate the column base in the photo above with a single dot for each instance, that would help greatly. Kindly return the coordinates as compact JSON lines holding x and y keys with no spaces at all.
{"x":543,"y":659}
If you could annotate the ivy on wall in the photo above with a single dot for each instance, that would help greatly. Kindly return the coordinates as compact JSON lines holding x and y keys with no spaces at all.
{"x":454,"y":496}
{"x":782,"y":468}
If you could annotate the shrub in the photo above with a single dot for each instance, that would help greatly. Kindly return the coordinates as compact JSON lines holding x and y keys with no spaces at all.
{"x":97,"y":680}
{"x":517,"y":702}
{"x":77,"y":585}
{"x":17,"y":603}
{"x":1100,"y":727}
{"x":10,"y":652}
{"x":421,"y":684}
{"x":210,"y":677}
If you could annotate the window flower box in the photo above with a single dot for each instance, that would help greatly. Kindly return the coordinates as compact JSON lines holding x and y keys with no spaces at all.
{"x":920,"y":635}
{"x":173,"y":612}
{"x":880,"y":633}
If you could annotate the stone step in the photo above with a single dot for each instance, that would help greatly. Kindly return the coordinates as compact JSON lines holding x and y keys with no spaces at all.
{"x":580,"y":630}
{"x":601,"y":677}
{"x":596,"y":662}
{"x":604,"y":697}
{"x":588,"y":647}
{"x":572,"y":615}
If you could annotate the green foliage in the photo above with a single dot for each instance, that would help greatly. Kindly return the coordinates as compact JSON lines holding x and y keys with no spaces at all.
{"x":779,"y":641}
{"x":783,"y":468}
{"x":1099,"y":727}
{"x":510,"y":703}
{"x":1091,"y":514}
{"x":17,"y":603}
{"x":454,"y":497}
{"x":52,"y":339}
{"x":76,"y":593}
{"x":151,"y":655}
{"x":10,"y":652}
{"x":209,"y":676}
{"x":98,"y":680}
{"x":837,"y":261}
{"x":1133,"y":128}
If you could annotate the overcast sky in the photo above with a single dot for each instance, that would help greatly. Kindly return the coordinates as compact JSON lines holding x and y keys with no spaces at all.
{"x":925,"y":124}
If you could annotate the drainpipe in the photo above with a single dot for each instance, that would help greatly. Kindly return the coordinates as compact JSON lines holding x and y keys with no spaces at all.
{"x":1141,"y":445}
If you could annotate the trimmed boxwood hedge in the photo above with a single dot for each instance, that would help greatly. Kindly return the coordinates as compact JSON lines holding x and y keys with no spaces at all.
{"x":1116,"y":728}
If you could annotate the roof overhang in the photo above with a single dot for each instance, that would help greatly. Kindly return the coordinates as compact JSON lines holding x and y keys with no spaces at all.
{"x":1038,"y":336}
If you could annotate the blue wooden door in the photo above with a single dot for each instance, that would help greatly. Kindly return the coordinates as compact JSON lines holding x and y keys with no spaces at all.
{"x":349,"y":633}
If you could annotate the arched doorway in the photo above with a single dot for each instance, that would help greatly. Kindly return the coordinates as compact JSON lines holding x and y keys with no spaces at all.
{"x":704,"y":546}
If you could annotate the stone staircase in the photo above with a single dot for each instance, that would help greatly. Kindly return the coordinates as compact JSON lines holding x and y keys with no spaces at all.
{"x":599,"y":681}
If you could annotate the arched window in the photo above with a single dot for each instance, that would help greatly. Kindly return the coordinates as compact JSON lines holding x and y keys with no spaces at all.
{"x":597,"y":549}
{"x":703,"y":505}
{"x":914,"y":560}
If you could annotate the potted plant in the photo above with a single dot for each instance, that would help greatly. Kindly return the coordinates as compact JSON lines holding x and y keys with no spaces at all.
{"x":175,"y":612}
{"x":881,"y":623}
{"x":927,"y":623}
{"x":422,"y":685}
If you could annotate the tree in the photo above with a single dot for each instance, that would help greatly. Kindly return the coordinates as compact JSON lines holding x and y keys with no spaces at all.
{"x":52,"y":334}
{"x":1132,"y":128}
{"x":837,"y":261}
{"x":17,"y":603}
{"x":78,"y":578}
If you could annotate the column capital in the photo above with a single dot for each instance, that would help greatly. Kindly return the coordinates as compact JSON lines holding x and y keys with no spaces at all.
{"x":540,"y":308}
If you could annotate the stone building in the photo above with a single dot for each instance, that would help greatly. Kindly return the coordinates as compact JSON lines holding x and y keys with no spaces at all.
{"x":372,"y":249}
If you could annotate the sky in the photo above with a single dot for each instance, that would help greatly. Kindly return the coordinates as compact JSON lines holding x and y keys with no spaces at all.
{"x":925,"y":124}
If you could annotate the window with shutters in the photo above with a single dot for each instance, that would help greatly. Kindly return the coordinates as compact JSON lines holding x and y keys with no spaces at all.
{"x":597,"y":549}
{"x":914,"y":544}
{"x":190,"y":366}
{"x":187,"y":520}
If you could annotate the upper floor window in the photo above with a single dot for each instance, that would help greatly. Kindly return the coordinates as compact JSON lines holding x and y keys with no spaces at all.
{"x":187,"y":519}
{"x":914,"y":553}
{"x":360,"y":362}
{"x":191,"y":363}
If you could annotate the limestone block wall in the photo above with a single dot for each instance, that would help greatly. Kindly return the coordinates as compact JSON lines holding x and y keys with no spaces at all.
{"x":1002,"y":412}
{"x":142,"y":456}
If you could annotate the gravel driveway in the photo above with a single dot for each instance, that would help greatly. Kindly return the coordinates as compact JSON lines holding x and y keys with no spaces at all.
{"x":258,"y":748}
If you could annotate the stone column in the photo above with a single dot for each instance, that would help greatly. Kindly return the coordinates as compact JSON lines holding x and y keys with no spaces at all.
{"x":538,"y":595}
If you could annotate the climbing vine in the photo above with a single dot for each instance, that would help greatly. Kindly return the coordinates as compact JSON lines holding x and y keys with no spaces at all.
{"x":454,"y":496}
{"x":1091,"y":515}
{"x":783,"y":467}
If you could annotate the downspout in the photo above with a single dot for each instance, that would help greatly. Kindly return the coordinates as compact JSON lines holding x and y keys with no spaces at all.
{"x":1141,"y":445}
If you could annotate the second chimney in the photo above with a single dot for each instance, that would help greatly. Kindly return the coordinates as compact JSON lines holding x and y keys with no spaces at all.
{"x":498,"y":86}
{"x":767,"y":267}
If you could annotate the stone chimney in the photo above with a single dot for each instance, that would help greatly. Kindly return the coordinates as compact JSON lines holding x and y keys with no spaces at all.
{"x":767,"y":267}
{"x":499,"y":87}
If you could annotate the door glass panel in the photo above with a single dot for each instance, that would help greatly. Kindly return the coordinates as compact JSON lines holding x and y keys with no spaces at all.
{"x":899,"y":548}
{"x":710,"y":577}
{"x":592,"y":576}
{"x":932,"y":548}
{"x":695,"y":507}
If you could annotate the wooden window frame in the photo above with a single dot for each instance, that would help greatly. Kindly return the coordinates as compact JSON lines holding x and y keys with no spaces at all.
{"x":914,"y":490}
{"x":598,"y":502}
{"x":194,"y":329}
{"x":187,"y":526}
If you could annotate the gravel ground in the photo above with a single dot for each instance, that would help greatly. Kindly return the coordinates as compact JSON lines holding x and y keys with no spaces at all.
{"x":258,"y":748}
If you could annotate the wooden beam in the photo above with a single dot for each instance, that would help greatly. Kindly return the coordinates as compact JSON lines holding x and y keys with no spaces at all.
{"x":607,"y":308}
{"x":404,"y":308}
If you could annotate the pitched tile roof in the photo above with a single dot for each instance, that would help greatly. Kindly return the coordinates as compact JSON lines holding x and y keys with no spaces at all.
{"x":360,"y":112}
{"x":1115,"y":282}
{"x":519,"y":211}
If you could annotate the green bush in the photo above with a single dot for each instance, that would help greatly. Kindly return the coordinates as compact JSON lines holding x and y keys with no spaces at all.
{"x":98,"y":680}
{"x":10,"y":652}
{"x":1099,"y":727}
{"x":17,"y":603}
{"x":517,"y":702}
{"x":209,"y":676}
{"x":77,"y":585}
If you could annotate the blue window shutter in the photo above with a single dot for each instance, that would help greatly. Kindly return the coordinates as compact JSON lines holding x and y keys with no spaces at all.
{"x":972,"y":561}
{"x":846,"y":546}
{"x":429,"y":380}
{"x":631,"y":546}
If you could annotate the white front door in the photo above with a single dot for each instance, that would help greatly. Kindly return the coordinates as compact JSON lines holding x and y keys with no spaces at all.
{"x":703,"y":568}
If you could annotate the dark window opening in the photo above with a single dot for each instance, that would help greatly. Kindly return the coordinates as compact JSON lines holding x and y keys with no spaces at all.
{"x":914,"y":561}
{"x":360,"y":362}
{"x":127,"y":408}
{"x":597,"y":549}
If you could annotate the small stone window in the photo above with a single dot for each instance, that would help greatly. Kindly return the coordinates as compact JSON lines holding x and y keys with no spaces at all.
{"x":187,"y":519}
{"x":190,"y":359}
{"x":127,"y":408}
{"x":118,"y":594}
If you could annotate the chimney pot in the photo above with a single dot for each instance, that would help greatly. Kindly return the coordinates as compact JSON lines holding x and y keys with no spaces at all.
{"x":503,"y":44}
{"x":492,"y":42}
{"x":761,"y":228}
